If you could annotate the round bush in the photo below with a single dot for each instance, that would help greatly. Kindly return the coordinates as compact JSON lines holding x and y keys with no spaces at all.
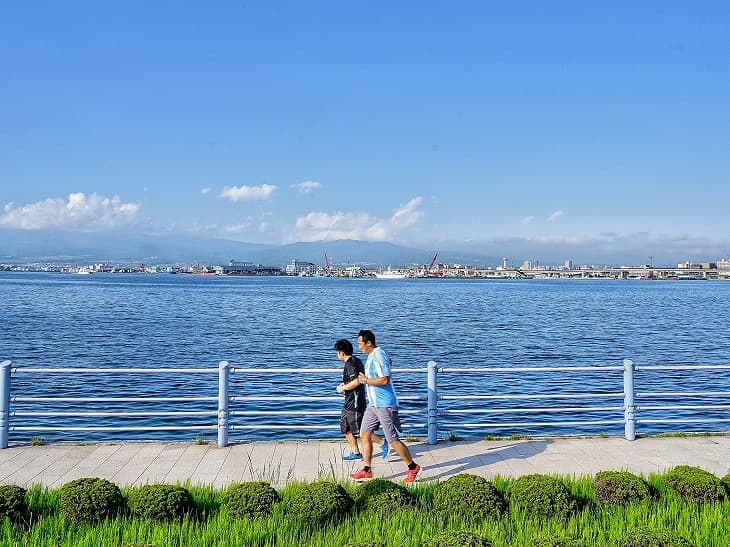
{"x":90,"y":499}
{"x":468,"y":496}
{"x":382,"y":497}
{"x":695,"y":483}
{"x":726,"y":482}
{"x":12,"y":502}
{"x":620,"y":488}
{"x":542,"y":495}
{"x":319,"y":502}
{"x":250,"y":499}
{"x":387,"y":503}
{"x":647,"y":537}
{"x":458,"y":539}
{"x":371,"y":488}
{"x":161,"y":502}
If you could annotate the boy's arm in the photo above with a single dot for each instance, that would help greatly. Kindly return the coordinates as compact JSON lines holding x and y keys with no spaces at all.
{"x":353,"y":383}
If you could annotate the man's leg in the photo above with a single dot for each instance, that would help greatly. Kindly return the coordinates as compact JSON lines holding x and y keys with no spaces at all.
{"x":390,"y":420}
{"x":368,"y":425}
{"x":367,"y":447}
{"x":402,"y":450}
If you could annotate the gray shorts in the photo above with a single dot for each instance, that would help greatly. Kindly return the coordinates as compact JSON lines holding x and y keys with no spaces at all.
{"x":387,"y":418}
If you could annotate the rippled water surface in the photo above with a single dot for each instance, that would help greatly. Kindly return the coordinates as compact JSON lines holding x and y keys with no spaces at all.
{"x":118,"y":320}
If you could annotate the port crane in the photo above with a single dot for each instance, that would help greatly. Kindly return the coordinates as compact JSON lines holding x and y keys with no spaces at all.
{"x":431,"y":264}
{"x":327,"y":264}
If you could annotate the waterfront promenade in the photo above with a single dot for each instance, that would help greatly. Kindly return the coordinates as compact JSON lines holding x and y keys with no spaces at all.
{"x":279,"y":462}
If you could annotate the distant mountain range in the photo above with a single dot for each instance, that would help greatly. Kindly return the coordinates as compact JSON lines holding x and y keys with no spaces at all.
{"x":27,"y":246}
{"x":24,"y":246}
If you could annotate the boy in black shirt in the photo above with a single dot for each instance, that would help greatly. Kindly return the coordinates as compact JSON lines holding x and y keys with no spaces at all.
{"x":354,"y":407}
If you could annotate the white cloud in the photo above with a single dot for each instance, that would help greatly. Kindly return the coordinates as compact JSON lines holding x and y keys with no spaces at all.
{"x":307,"y":187}
{"x":528,"y":219}
{"x":237,"y":228}
{"x":205,"y":191}
{"x":555,"y":216}
{"x":80,"y":211}
{"x":408,"y":214}
{"x":199,"y":228}
{"x":356,"y":225}
{"x":247,"y":193}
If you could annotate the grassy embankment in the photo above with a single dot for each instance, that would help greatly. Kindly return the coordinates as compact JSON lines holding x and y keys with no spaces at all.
{"x":704,"y":525}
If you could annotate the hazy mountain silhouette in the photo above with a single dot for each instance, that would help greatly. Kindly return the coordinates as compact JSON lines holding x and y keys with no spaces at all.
{"x":18,"y":246}
{"x":116,"y":247}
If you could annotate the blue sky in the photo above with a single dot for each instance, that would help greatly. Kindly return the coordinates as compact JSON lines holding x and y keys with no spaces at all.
{"x":481,"y":125}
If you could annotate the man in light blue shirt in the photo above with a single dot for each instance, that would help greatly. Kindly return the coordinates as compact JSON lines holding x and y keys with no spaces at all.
{"x":382,"y":409}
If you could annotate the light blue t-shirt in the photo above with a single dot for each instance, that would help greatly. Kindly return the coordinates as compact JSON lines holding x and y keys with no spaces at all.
{"x":377,"y":366}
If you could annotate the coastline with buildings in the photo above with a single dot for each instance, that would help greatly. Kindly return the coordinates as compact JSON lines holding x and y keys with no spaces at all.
{"x":719,"y":270}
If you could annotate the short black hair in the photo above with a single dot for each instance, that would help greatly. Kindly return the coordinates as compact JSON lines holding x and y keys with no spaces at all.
{"x":344,"y":346}
{"x":367,"y":336}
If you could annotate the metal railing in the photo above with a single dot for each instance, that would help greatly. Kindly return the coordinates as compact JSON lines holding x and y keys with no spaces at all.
{"x":625,"y":413}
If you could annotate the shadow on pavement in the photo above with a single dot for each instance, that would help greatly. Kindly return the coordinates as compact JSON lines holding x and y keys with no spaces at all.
{"x":481,"y":455}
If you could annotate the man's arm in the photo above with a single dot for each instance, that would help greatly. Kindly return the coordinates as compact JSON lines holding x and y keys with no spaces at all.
{"x":379,"y":381}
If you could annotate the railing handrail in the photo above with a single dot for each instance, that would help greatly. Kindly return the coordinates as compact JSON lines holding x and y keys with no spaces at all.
{"x":112,"y":399}
{"x":682,"y":367}
{"x":328,"y":370}
{"x":432,"y":398}
{"x":119,"y":370}
{"x":596,"y":368}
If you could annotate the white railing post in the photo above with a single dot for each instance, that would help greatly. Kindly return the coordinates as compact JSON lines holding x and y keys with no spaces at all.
{"x":224,"y":374}
{"x":432,"y":403}
{"x":629,"y":406}
{"x":4,"y":403}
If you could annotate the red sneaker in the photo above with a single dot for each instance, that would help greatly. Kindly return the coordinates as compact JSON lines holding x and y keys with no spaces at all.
{"x":362,"y":475}
{"x":412,"y":474}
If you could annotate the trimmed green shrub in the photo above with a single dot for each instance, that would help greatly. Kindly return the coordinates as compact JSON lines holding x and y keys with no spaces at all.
{"x":458,"y":539}
{"x":90,"y":499}
{"x":382,"y":497}
{"x":250,"y":499}
{"x":387,"y":503}
{"x":160,"y":502}
{"x":319,"y":502}
{"x":620,"y":488}
{"x":647,"y":537}
{"x":726,"y":482}
{"x":695,"y":483}
{"x":371,"y":488}
{"x":468,"y":496}
{"x":542,"y":495}
{"x":12,"y":503}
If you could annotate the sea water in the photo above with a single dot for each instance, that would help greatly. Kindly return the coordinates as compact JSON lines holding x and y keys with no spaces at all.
{"x":184,"y":321}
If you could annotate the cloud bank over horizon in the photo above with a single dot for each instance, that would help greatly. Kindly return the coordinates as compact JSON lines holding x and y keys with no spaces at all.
{"x":85,"y":213}
{"x":79,"y":211}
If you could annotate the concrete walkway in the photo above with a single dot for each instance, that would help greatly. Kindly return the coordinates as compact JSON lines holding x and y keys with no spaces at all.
{"x":285,"y":461}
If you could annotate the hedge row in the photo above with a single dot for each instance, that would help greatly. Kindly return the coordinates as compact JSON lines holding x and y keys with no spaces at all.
{"x":466,"y":496}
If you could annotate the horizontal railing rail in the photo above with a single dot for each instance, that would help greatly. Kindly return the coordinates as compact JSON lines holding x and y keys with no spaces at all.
{"x":433,"y":405}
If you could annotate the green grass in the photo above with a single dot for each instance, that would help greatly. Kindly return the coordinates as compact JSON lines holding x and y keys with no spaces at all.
{"x":702,"y":524}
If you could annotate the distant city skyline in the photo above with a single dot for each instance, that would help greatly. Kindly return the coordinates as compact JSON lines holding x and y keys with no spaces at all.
{"x":572,"y":131}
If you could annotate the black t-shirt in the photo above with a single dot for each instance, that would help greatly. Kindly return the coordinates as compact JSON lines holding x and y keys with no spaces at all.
{"x":354,"y":399}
